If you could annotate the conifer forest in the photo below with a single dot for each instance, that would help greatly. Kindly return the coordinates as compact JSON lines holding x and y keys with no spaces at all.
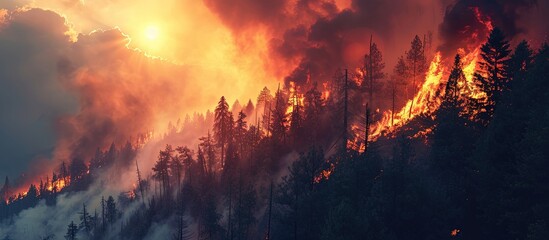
{"x":274,"y":119}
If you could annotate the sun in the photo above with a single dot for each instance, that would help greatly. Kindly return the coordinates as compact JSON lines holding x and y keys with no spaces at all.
{"x":152,"y":33}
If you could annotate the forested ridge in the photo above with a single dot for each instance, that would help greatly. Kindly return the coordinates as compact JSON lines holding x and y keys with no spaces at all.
{"x":304,"y":163}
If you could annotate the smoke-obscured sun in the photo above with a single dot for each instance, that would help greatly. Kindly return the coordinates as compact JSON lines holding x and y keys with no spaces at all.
{"x":152,"y":33}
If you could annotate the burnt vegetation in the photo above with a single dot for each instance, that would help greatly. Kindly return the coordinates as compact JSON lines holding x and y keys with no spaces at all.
{"x":303,"y":162}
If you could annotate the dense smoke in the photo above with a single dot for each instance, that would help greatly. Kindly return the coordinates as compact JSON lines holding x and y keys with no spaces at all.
{"x":31,"y":97}
{"x":315,"y":37}
{"x":51,"y":220}
{"x":464,"y":23}
{"x":83,"y":92}
{"x":320,"y":36}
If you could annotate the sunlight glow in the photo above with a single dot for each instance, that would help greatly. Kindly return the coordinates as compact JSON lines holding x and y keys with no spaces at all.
{"x":152,"y":33}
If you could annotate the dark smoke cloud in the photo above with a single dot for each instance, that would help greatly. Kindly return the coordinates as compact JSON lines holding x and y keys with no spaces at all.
{"x":318,"y":36}
{"x":31,"y":97}
{"x":462,"y":27}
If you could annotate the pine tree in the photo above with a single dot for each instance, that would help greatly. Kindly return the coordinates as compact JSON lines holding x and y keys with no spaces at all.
{"x":240,"y":131}
{"x":236,"y":107}
{"x":491,"y":76}
{"x":222,"y":126}
{"x":77,"y":169}
{"x":111,"y":211}
{"x":103,"y":214}
{"x":249,"y":108}
{"x":32,"y":193}
{"x":6,"y":190}
{"x":72,"y":230}
{"x":400,"y":75}
{"x":451,"y":92}
{"x":416,"y":61}
{"x":161,"y":170}
{"x":416,"y":65}
{"x":519,"y":62}
{"x":208,"y":153}
{"x":279,"y":118}
{"x":186,"y":156}
{"x":86,"y":222}
{"x":373,"y":65}
{"x":176,"y":168}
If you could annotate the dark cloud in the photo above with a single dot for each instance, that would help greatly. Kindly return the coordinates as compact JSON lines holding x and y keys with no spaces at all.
{"x":463,"y":22}
{"x":341,"y":40}
{"x":31,"y":97}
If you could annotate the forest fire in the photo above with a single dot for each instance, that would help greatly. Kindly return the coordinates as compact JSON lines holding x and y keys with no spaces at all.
{"x":384,"y":118}
{"x":58,"y":185}
{"x":426,"y":101}
{"x":295,"y":99}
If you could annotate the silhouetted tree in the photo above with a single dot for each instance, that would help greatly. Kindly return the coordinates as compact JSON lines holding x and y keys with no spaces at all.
{"x":72,"y":230}
{"x":416,"y":64}
{"x":373,"y":66}
{"x":491,"y":76}
{"x":111,"y":211}
{"x":86,"y":221}
{"x":240,"y":130}
{"x":208,"y":153}
{"x":161,"y":170}
{"x":519,"y":62}
{"x":249,"y":108}
{"x":186,"y":156}
{"x":176,"y":168}
{"x":222,"y":126}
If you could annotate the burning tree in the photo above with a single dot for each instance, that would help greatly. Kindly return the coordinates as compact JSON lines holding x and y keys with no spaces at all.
{"x":416,"y":64}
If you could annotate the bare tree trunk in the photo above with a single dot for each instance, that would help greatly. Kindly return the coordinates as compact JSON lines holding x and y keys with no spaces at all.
{"x":139,"y":181}
{"x":371,"y":73}
{"x":367,"y":129}
{"x":393,"y":106}
{"x":345,"y":106}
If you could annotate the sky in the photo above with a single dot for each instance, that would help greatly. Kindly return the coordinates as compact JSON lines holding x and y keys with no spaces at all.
{"x":76,"y":75}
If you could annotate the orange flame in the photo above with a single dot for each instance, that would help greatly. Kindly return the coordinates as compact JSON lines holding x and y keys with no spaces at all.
{"x":425,"y":101}
{"x":295,"y":98}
